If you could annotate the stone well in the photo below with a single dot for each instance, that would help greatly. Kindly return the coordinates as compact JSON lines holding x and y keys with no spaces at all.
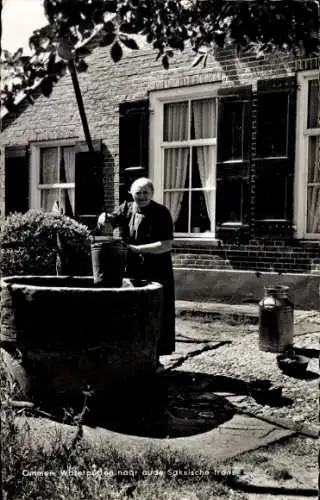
{"x":71,"y":335}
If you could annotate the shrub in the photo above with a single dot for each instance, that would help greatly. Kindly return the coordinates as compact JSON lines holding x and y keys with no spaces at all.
{"x":29,"y":244}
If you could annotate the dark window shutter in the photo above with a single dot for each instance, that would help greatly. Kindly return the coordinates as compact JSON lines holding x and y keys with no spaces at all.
{"x":276,"y":103}
{"x":133,"y":143}
{"x":233,"y":155}
{"x":89,"y":191}
{"x":16,"y":180}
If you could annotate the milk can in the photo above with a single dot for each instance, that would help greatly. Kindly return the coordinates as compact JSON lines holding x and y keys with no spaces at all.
{"x":275,"y":320}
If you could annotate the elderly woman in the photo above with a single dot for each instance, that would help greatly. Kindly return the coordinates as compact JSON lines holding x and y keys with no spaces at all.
{"x":147,"y":227}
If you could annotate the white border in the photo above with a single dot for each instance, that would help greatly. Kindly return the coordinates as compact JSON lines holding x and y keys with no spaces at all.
{"x":34,"y":192}
{"x":301,"y":160}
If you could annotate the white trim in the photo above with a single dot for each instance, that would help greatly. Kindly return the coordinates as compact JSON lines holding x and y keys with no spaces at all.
{"x":34,"y":191}
{"x":191,"y":92}
{"x":157,"y":146}
{"x":301,"y":161}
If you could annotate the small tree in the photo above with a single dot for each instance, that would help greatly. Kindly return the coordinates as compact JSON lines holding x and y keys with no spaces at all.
{"x":30,"y":244}
{"x":167,"y":25}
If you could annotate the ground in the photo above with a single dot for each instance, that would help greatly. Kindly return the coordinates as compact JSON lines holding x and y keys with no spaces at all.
{"x":210,"y":386}
{"x":281,"y":468}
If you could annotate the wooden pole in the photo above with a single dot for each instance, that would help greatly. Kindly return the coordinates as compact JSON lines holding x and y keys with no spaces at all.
{"x":77,"y":91}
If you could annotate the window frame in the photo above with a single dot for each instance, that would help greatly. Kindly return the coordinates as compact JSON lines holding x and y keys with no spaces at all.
{"x":157,"y":146}
{"x":301,"y":165}
{"x":35,"y":190}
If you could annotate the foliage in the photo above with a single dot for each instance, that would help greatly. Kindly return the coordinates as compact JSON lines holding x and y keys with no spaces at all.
{"x":167,"y":25}
{"x":29,"y":241}
{"x":44,"y":461}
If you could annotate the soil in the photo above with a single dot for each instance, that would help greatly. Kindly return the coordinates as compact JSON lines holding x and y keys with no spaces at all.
{"x":287,"y":469}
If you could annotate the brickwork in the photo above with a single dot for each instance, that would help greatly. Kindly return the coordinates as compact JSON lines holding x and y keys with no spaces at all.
{"x":105,"y":85}
{"x":274,"y":256}
{"x":2,"y":182}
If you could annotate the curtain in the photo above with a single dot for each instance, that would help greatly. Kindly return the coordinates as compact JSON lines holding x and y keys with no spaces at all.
{"x":175,"y":125}
{"x":48,"y":166}
{"x":313,"y":104}
{"x":204,"y":113}
{"x":50,"y":200}
{"x":175,"y":159}
{"x":206,"y":170}
{"x":204,"y":118}
{"x":49,"y":175}
{"x":67,"y":174}
{"x":313,"y":213}
{"x":175,"y":173}
{"x":53,"y":199}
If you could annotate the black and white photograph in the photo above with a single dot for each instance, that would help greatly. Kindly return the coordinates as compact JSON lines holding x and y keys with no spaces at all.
{"x":160,"y":249}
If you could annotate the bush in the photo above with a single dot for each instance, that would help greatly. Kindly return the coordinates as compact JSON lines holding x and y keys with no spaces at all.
{"x":29,"y":244}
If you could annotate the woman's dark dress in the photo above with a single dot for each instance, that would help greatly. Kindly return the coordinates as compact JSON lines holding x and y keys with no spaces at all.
{"x":139,"y":226}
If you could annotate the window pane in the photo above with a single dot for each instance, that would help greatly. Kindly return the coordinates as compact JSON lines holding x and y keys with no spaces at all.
{"x":175,"y":123}
{"x":272,"y":124}
{"x":313,"y":104}
{"x":49,"y":173}
{"x":203,"y":119}
{"x":180,"y":217}
{"x":232,"y":131}
{"x":313,"y":203}
{"x":67,"y":202}
{"x":50,"y":200}
{"x":176,"y":177}
{"x":67,"y":164}
{"x":313,"y":159}
{"x":232,"y":200}
{"x":203,"y":167}
{"x":176,"y":168}
{"x":201,"y":205}
{"x":313,"y":218}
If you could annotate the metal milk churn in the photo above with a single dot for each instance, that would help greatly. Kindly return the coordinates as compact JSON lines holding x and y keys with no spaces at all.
{"x":275,"y":320}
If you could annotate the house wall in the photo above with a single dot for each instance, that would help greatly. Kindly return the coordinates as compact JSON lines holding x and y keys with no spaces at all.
{"x":105,"y":85}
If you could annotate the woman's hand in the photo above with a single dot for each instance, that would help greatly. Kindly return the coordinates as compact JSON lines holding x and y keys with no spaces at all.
{"x":134,"y":248}
{"x":102,"y":220}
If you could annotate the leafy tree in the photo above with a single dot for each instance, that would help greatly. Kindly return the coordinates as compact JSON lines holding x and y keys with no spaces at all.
{"x":167,"y":25}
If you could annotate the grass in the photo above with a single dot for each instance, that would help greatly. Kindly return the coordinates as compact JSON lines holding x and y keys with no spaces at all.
{"x":59,"y":470}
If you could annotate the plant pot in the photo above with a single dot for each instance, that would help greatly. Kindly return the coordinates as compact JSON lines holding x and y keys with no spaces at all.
{"x":292,"y":364}
{"x":263,"y":393}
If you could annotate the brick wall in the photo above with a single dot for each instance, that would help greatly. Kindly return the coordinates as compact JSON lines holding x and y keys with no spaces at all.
{"x":105,"y":85}
{"x":275,"y":256}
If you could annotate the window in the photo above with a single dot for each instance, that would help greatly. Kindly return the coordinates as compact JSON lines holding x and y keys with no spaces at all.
{"x":188,"y":150}
{"x":199,"y":150}
{"x":308,"y":159}
{"x":183,"y":133}
{"x":53,"y":187}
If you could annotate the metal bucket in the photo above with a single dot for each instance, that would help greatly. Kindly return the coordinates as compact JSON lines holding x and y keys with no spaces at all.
{"x":275,"y":320}
{"x":109,"y":257}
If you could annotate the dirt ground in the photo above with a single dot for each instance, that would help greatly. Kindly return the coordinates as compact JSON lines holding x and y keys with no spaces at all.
{"x":287,"y":469}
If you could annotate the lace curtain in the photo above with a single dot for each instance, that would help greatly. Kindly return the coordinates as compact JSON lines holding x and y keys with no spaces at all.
{"x":176,"y":160}
{"x":59,"y":200}
{"x":313,"y":195}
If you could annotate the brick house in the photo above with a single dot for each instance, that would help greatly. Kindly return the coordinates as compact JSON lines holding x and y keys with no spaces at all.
{"x":232,"y":148}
